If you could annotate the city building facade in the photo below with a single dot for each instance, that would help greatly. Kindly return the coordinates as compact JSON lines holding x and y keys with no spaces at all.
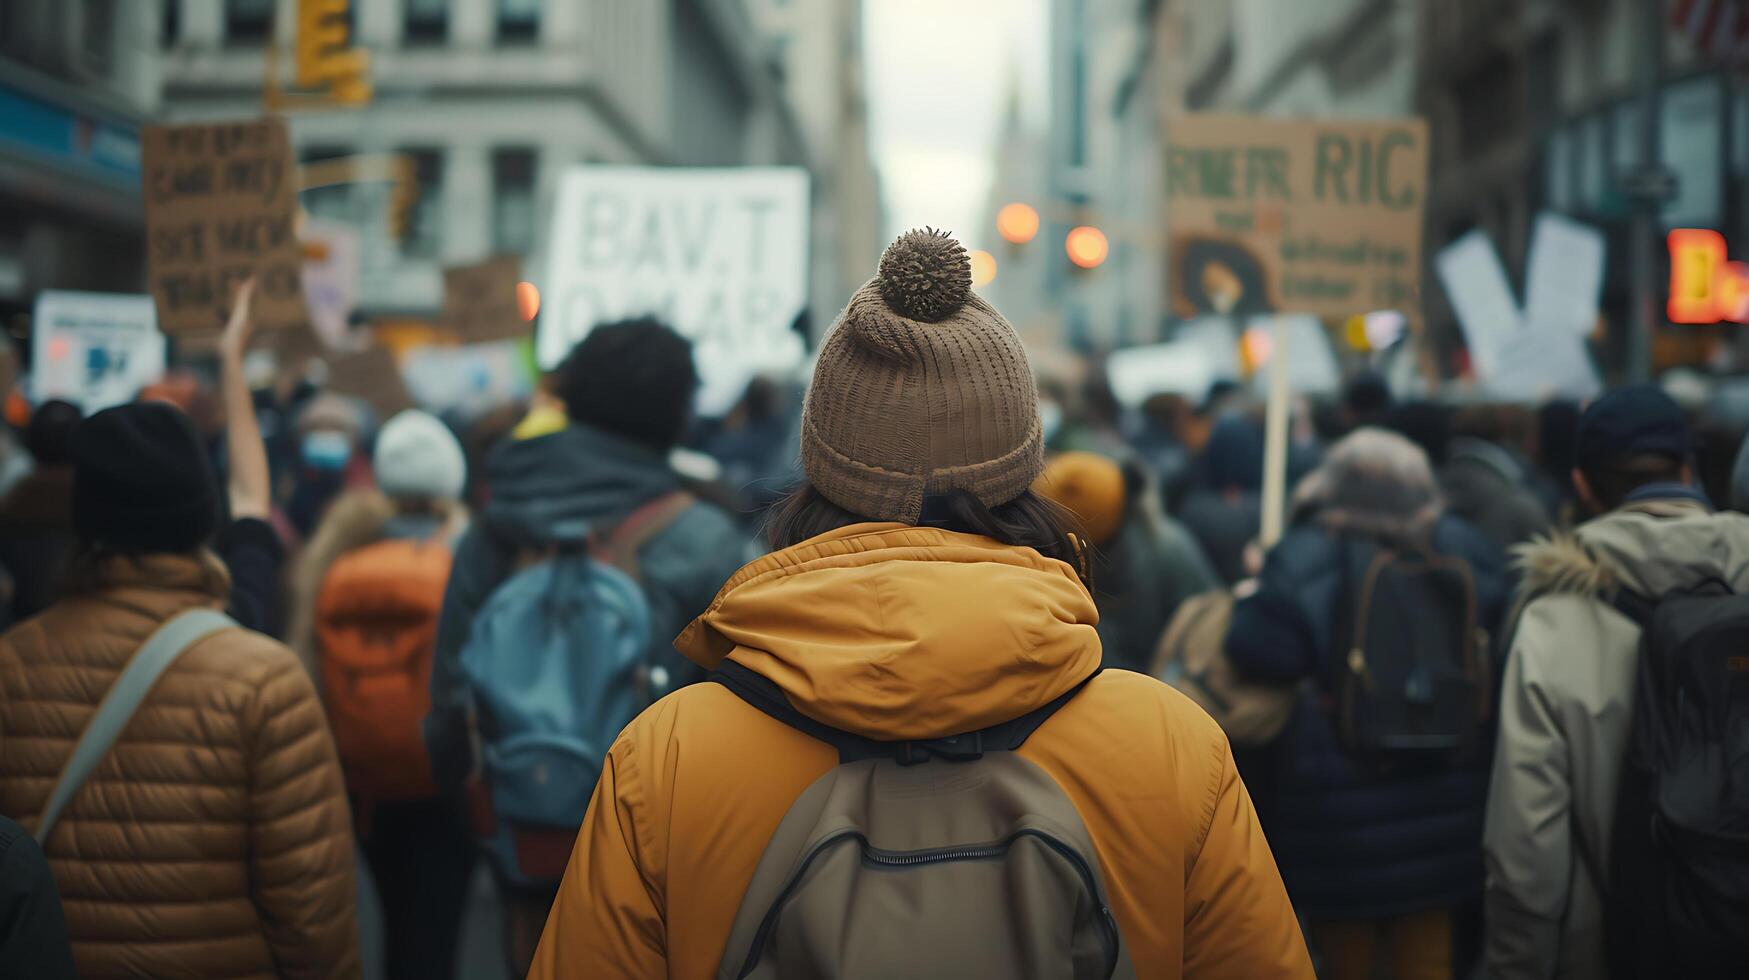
{"x":491,"y":100}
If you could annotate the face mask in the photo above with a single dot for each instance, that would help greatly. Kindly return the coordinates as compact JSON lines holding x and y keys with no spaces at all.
{"x":327,"y":451}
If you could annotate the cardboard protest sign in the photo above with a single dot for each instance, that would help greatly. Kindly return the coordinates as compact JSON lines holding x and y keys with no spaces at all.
{"x":331,"y":279}
{"x":479,"y":300}
{"x":372,"y":376}
{"x":1294,"y":216}
{"x":1565,"y":282}
{"x":719,"y":254}
{"x":1475,"y":282}
{"x":96,"y":350}
{"x":221,"y":204}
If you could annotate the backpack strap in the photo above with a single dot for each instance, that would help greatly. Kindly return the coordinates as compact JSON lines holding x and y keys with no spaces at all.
{"x":118,"y":706}
{"x":620,"y":548}
{"x":760,"y":692}
{"x":1634,"y":606}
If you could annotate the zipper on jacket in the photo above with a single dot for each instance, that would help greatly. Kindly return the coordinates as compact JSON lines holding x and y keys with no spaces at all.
{"x":1108,"y":933}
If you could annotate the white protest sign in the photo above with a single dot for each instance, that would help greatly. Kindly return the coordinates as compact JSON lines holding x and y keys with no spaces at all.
{"x":1475,"y":283}
{"x":1566,"y":275}
{"x":467,"y":380}
{"x":721,"y":255}
{"x":1178,"y":367}
{"x":331,"y":281}
{"x":96,"y":350}
{"x":1537,"y":365}
{"x":1311,"y":364}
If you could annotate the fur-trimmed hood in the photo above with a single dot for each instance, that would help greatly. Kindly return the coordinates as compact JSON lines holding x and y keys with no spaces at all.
{"x":1650,"y":547}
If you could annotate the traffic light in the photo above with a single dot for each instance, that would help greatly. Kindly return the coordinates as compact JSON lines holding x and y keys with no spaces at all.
{"x":325,"y":58}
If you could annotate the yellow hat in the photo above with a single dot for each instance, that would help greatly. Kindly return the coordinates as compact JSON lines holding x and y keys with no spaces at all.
{"x":1089,"y":485}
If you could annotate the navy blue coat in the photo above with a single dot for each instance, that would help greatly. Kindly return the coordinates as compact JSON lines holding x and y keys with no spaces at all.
{"x":1353,"y":842}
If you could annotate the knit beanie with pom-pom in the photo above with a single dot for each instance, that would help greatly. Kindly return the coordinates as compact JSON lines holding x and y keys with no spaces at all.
{"x":921,"y":388}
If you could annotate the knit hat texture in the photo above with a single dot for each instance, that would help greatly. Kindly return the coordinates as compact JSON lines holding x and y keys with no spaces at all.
{"x":1091,"y":487}
{"x":142,"y":482}
{"x":921,"y":388}
{"x":418,"y":458}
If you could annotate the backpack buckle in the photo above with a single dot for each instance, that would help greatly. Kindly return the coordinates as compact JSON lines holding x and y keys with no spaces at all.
{"x":954,"y":748}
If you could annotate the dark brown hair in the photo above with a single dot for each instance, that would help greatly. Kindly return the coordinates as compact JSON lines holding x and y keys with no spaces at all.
{"x":1613,"y":481}
{"x":1027,"y":521}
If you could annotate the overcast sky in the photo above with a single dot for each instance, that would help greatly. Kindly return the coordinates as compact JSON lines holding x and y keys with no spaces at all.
{"x":939,"y":73}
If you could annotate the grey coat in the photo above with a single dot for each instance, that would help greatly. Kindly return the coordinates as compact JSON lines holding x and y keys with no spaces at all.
{"x":1566,"y":709}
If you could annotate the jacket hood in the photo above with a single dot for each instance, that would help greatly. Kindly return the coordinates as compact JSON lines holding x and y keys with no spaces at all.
{"x":897,"y":632}
{"x":578,"y":475}
{"x":1650,"y":547}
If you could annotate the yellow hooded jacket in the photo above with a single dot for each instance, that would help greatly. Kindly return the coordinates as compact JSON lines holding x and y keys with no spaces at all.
{"x":897,"y":632}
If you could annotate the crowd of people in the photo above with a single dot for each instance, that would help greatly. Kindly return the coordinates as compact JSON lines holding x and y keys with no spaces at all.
{"x":914,"y":673}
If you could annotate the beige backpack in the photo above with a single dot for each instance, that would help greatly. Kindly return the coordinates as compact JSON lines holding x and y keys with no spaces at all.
{"x":1192,"y":657}
{"x":946,"y":858}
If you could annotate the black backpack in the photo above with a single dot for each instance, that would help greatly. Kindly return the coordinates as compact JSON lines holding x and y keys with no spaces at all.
{"x":1412,"y":671}
{"x":1678,"y":899}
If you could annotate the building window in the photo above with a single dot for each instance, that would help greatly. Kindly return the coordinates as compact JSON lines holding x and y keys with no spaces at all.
{"x":97,"y":37}
{"x":331,"y":201}
{"x":172,"y":26}
{"x":513,"y":200}
{"x":425,"y":222}
{"x":518,"y":21}
{"x":248,"y":21}
{"x":427,"y":21}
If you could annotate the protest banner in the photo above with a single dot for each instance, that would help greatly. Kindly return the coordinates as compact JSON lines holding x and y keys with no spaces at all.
{"x":96,"y":350}
{"x":221,"y":203}
{"x":371,"y":375}
{"x":331,"y":279}
{"x":479,"y":300}
{"x":1294,"y":216}
{"x":719,"y":254}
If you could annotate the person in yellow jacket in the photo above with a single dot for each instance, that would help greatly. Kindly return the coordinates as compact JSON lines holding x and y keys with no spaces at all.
{"x":919,"y":590}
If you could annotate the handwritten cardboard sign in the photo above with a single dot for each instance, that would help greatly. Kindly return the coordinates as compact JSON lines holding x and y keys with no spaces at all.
{"x":479,"y":300}
{"x":1295,"y":216}
{"x":221,"y":204}
{"x":373,"y":376}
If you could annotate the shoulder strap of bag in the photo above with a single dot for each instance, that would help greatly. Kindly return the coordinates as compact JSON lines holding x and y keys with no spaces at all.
{"x":758,"y":691}
{"x":124,"y":697}
{"x":621,"y":547}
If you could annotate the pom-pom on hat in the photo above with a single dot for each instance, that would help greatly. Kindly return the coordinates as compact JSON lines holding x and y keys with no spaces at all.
{"x":921,"y":388}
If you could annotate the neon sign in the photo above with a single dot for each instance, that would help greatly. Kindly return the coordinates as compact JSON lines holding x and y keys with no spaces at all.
{"x":1705,"y":285}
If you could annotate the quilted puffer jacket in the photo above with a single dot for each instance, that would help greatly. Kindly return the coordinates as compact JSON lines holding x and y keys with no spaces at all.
{"x":214,"y":839}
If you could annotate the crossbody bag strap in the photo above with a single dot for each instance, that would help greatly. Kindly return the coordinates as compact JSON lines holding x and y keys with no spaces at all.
{"x":120,"y":703}
{"x":760,"y":692}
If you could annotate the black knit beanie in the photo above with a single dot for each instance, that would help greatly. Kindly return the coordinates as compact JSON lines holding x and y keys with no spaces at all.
{"x":142,"y":482}
{"x":634,"y":378}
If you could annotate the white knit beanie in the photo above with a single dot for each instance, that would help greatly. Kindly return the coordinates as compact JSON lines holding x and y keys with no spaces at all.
{"x":418,"y":457}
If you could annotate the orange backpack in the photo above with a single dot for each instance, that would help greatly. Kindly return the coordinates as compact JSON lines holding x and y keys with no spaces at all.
{"x":376,"y":629}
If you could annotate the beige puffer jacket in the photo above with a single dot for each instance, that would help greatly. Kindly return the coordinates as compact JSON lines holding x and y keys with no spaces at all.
{"x":1566,"y":709}
{"x":214,"y":839}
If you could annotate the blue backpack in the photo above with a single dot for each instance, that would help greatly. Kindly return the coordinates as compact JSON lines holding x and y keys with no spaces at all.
{"x":556,"y":665}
